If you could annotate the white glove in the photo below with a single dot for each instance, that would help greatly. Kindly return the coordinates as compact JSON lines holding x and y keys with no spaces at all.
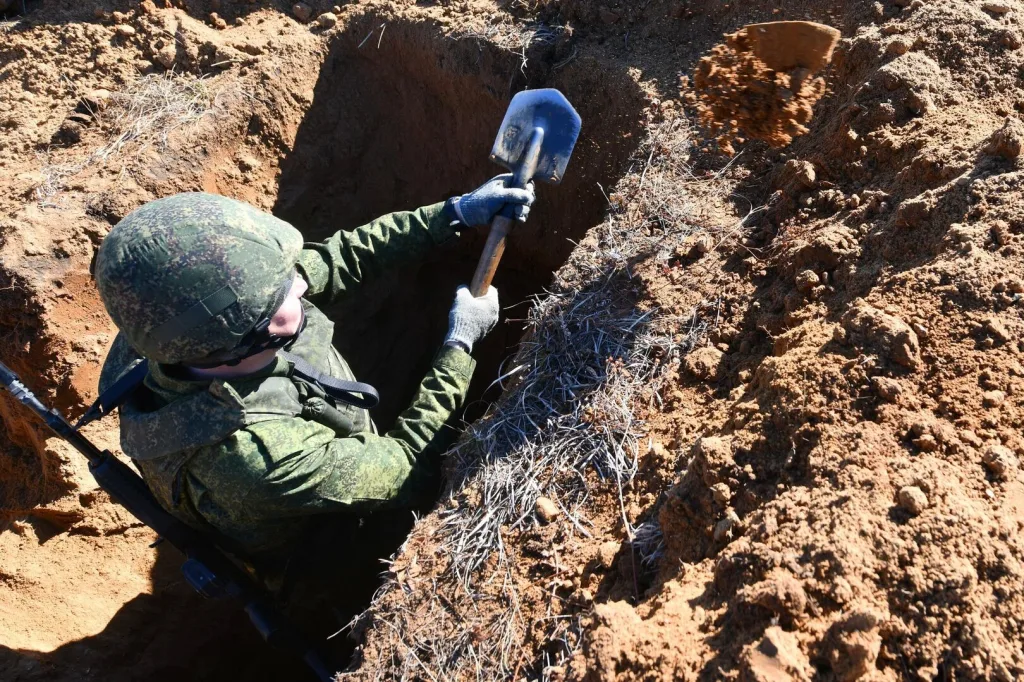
{"x":471,"y":318}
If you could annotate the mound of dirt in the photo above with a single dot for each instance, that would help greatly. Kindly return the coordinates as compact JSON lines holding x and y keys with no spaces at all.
{"x":766,"y":422}
{"x":738,"y":96}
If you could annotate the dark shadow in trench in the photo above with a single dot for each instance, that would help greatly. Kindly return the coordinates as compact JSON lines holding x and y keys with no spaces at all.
{"x":411,"y":123}
{"x":394,"y":127}
{"x":168,"y":636}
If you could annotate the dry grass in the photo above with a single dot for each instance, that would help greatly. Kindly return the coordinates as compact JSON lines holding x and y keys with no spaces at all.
{"x":591,"y":357}
{"x":143,"y":115}
{"x":503,"y":32}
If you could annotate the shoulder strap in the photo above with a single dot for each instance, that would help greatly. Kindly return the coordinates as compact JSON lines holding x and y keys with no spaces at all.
{"x":354,"y":393}
{"x":118,"y":392}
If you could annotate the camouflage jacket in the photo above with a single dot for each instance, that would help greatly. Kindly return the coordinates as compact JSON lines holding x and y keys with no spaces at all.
{"x":253,"y":458}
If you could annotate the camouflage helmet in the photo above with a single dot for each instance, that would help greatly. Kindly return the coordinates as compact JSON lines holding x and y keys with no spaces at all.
{"x":188,"y":277}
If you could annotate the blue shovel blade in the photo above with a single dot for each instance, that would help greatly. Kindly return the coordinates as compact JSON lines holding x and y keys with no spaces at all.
{"x":547,"y":109}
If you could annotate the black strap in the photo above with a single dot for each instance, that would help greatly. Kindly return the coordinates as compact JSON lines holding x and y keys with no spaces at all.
{"x":111,"y":398}
{"x":208,"y":308}
{"x":354,"y":393}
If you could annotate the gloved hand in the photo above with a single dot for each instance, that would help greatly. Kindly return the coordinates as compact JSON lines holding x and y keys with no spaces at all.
{"x":471,"y":318}
{"x":481,"y":205}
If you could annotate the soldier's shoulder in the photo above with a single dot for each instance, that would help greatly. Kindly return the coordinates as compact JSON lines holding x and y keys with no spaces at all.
{"x":253,"y":454}
{"x":120,"y":358}
{"x":286,"y":436}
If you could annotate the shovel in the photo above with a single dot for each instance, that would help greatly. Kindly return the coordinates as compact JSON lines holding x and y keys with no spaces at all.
{"x":535,"y":142}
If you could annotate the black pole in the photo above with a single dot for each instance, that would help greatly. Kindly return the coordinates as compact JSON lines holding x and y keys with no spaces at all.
{"x":53,"y":418}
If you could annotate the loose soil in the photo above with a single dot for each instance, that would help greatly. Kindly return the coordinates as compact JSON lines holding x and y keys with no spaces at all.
{"x":832,"y":471}
{"x":738,"y":96}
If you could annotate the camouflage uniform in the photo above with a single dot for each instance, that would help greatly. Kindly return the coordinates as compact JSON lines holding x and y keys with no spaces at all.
{"x":254,"y":458}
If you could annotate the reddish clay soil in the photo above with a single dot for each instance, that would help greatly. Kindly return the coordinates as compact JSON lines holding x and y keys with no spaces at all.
{"x":828,"y":478}
{"x":739,"y":97}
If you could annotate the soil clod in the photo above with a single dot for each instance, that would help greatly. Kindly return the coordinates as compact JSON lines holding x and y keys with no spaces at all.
{"x":913,"y":499}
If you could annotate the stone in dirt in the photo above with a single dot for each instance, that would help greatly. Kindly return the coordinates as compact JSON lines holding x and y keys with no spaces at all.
{"x":826,"y":249}
{"x":993,"y":398}
{"x":927,"y":443}
{"x":302,"y":11}
{"x":914,"y":212}
{"x":166,"y":56}
{"x":781,"y":593}
{"x":69,"y":133}
{"x":900,"y":45}
{"x":1001,"y":233}
{"x":1008,"y":140}
{"x":1001,"y":461}
{"x":853,"y":644}
{"x":913,"y":499}
{"x":726,"y":529}
{"x":800,"y":174}
{"x":777,"y":657}
{"x":94,"y":101}
{"x":806,"y":280}
{"x":547,"y":510}
{"x":702,"y":245}
{"x":1009,"y":38}
{"x":887,"y":389}
{"x":997,"y":330}
{"x":327,"y":20}
{"x":721,"y":493}
{"x":912,"y":71}
{"x":247,"y":162}
{"x":997,"y":6}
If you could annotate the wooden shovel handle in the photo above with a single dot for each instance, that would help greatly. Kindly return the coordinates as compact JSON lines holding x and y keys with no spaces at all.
{"x":502,"y":224}
{"x":491,"y":255}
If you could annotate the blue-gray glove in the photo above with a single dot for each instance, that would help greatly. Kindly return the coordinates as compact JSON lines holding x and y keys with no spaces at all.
{"x":481,"y":205}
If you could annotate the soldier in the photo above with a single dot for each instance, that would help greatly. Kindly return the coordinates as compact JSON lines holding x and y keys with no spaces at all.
{"x":249,"y":424}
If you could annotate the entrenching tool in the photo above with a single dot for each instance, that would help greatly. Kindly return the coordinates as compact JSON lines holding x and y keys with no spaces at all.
{"x":786,"y":45}
{"x":535,"y":142}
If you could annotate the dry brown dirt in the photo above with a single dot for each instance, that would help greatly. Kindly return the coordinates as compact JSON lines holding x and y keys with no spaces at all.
{"x":829,"y":480}
{"x":738,"y":96}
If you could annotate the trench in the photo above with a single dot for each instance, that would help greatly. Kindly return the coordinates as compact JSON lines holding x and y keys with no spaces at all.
{"x":394,"y":125}
{"x":410,"y":122}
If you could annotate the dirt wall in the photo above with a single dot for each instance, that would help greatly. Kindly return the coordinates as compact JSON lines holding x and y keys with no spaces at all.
{"x":826,"y":430}
{"x":396,"y":123}
{"x":412,"y":121}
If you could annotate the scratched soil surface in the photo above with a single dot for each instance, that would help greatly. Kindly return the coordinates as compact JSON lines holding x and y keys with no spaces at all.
{"x":764,"y":422}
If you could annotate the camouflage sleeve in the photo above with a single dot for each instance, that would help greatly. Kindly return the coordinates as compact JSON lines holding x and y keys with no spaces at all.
{"x":362,"y":473}
{"x":339,"y":265}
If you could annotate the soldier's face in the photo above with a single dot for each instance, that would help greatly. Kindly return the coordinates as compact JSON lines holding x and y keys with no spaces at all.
{"x":288,"y":318}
